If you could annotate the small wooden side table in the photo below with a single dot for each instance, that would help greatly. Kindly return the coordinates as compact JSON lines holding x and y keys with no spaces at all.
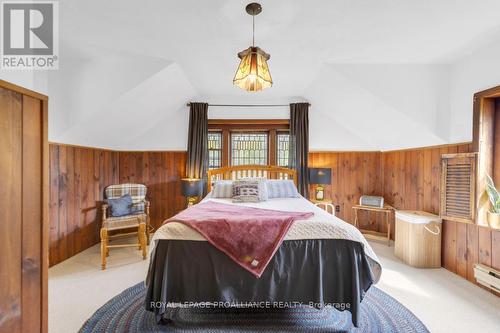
{"x":387,"y":210}
{"x":326,"y":205}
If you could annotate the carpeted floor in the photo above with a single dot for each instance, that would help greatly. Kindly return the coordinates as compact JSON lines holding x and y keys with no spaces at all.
{"x":443,"y":301}
{"x":379,"y":313}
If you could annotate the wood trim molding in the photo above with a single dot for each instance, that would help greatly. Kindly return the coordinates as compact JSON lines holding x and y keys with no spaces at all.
{"x":446,"y":145}
{"x":45,"y":218}
{"x":344,"y":151}
{"x":114,"y":150}
{"x":491,"y":92}
{"x":22,"y":90}
{"x":479,"y":113}
{"x":459,"y":155}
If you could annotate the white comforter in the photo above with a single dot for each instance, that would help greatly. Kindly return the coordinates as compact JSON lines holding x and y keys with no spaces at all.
{"x":321,"y":226}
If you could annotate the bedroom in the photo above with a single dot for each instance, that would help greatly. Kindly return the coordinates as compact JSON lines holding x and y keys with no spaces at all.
{"x":321,"y":166}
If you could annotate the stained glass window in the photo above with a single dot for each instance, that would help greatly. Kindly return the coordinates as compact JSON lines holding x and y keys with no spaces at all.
{"x":214,"y":150}
{"x":249,"y":148}
{"x":282,"y":149}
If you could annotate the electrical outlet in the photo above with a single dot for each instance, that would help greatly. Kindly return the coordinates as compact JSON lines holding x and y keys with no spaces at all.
{"x":337,"y":208}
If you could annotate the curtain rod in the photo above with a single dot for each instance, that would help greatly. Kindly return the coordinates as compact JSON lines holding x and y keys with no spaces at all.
{"x":249,"y":105}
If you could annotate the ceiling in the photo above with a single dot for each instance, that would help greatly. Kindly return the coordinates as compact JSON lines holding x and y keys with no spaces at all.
{"x":110,"y":48}
{"x":203,"y":37}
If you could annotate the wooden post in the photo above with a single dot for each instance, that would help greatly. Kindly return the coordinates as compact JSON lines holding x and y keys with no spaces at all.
{"x":142,"y":238}
{"x":104,"y":248}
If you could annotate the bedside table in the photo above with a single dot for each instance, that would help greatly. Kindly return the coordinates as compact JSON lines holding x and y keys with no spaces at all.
{"x":326,"y":205}
{"x":387,"y":210}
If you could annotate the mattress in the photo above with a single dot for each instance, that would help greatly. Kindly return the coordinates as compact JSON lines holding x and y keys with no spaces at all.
{"x":321,"y":226}
{"x":323,"y":261}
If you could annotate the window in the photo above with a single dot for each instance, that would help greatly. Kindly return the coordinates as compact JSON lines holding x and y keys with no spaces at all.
{"x":214,"y":150}
{"x":282,"y":149}
{"x":486,"y":143}
{"x":249,"y":148}
{"x":248,"y":141}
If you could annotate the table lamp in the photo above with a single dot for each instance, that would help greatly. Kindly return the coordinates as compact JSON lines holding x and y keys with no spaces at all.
{"x":319,"y":177}
{"x":192,"y":188}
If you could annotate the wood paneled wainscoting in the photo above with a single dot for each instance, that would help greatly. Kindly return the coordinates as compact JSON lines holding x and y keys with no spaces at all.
{"x":412,"y":181}
{"x":161,"y":172}
{"x":353,"y":174}
{"x":78,"y":176}
{"x":408,"y":179}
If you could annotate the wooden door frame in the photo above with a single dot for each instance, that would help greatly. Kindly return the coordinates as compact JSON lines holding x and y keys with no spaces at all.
{"x":483,"y":141}
{"x":44,"y":261}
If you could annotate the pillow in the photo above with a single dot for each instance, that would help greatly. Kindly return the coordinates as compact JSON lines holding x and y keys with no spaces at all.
{"x":120,"y":206}
{"x":246,"y":191}
{"x":222,"y":189}
{"x":281,"y":188}
{"x":263,"y":196}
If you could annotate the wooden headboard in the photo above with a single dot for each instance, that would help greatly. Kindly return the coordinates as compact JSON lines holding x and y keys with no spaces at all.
{"x":242,"y":171}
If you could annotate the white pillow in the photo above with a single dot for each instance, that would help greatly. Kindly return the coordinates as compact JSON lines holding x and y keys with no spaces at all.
{"x":263,"y":195}
{"x":281,"y":188}
{"x":222,"y":189}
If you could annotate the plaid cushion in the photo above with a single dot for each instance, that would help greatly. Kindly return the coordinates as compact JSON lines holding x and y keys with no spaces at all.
{"x":124,"y":222}
{"x":136,"y":191}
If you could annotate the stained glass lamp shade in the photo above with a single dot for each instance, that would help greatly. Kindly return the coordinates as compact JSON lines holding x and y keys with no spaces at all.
{"x":253,"y":73}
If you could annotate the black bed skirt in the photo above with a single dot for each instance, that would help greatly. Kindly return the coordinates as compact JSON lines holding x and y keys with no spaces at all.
{"x":332,"y":272}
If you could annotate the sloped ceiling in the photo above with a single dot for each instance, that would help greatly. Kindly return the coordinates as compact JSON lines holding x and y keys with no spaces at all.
{"x":376,"y":72}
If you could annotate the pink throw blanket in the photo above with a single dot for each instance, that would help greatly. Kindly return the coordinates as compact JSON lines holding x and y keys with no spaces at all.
{"x":250,"y":236}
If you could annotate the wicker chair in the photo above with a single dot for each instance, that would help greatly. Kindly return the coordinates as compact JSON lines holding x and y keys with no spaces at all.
{"x":139,"y":220}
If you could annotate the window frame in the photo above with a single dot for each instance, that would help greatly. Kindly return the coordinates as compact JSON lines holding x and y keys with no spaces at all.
{"x":485,"y":116}
{"x":220,"y":150}
{"x":271,"y":126}
{"x":280,"y":132}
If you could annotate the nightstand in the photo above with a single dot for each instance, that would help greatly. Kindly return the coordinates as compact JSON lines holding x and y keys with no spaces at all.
{"x":387,"y":210}
{"x":326,"y":205}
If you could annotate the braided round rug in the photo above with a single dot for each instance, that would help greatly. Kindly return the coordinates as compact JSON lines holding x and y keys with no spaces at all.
{"x":379,"y":313}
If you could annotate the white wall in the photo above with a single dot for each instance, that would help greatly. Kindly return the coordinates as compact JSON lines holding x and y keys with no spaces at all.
{"x":363,"y":107}
{"x":381,"y":107}
{"x":124,"y":101}
{"x":224,"y":112}
{"x":151,"y":115}
{"x":87,"y":86}
{"x":473,"y":73}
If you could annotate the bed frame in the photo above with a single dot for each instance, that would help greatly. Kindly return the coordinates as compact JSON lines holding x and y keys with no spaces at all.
{"x":242,"y":171}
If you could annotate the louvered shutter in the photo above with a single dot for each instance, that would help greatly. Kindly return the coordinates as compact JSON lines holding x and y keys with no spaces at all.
{"x":458,"y":174}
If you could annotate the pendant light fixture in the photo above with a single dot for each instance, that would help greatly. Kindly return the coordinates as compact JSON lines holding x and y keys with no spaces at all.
{"x":253,"y":73}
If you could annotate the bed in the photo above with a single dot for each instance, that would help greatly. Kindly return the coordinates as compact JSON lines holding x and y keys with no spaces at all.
{"x":322,"y":261}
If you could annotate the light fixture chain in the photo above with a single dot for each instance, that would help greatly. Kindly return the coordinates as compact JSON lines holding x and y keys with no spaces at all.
{"x":253,"y":30}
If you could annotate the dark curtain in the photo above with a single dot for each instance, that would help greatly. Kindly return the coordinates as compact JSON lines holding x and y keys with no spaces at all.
{"x":299,"y":145}
{"x":197,"y":150}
